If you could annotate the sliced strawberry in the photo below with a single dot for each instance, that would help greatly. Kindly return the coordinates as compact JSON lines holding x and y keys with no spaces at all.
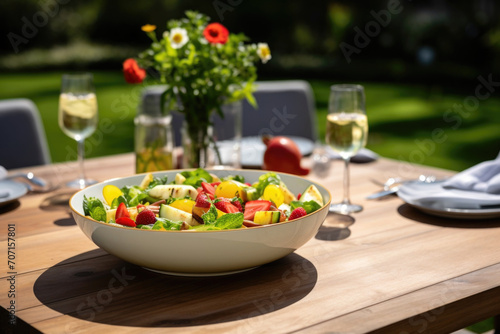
{"x":298,"y":196}
{"x":237,"y":204}
{"x":126,"y":221}
{"x":122,"y":211}
{"x":226,"y":206}
{"x":202,"y":200}
{"x":252,"y":207}
{"x":297,"y":213}
{"x":208,"y":188}
{"x":145,"y":217}
{"x":215,"y":184}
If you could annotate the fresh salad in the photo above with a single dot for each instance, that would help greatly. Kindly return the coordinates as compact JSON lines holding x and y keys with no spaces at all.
{"x":200,"y":201}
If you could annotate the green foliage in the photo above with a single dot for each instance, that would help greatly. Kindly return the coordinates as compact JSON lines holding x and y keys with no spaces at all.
{"x":202,"y":75}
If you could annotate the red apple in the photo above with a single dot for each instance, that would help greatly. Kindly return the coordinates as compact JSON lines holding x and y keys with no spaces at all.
{"x":283,"y":155}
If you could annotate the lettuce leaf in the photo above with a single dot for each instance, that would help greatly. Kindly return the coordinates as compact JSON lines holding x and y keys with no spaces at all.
{"x":196,"y":177}
{"x":238,"y":178}
{"x":118,"y":200}
{"x":265,"y":180}
{"x":210,"y":216}
{"x":157,"y":181}
{"x":99,"y":214}
{"x":230,"y":221}
{"x":166,"y":224}
{"x":309,"y":206}
{"x":205,"y":227}
{"x":134,"y":195}
{"x":89,"y":205}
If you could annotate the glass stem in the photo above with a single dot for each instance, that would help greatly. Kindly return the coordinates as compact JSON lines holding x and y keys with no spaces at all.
{"x":81,"y":155}
{"x":346,"y":199}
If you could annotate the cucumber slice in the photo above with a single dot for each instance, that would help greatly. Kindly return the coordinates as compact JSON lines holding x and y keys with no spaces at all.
{"x":266,"y":217}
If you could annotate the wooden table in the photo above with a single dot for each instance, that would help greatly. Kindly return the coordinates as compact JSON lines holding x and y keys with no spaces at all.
{"x":388,"y":269}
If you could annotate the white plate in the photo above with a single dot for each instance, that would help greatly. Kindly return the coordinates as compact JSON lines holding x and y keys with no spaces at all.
{"x":10,"y":191}
{"x":449,"y":203}
{"x":253,"y":149}
{"x":459,"y":213}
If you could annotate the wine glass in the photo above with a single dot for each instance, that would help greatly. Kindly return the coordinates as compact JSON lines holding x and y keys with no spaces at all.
{"x":346,"y":132}
{"x":78,"y":116}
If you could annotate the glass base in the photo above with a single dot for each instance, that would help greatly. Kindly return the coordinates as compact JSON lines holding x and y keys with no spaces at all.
{"x":80,"y":183}
{"x":345,"y":208}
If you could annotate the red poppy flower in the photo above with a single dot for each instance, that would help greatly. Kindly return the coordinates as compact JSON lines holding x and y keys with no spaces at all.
{"x":216,"y":33}
{"x":132,"y":72}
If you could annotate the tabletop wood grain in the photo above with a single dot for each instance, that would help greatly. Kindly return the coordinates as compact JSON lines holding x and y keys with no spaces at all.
{"x":387,"y":269}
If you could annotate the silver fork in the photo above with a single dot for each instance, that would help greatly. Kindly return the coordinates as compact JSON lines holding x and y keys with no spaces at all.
{"x":391,"y":186}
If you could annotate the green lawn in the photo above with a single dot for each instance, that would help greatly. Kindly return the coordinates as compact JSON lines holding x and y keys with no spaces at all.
{"x":415,"y":123}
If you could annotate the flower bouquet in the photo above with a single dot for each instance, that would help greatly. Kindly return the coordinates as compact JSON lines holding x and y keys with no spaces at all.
{"x":203,"y":67}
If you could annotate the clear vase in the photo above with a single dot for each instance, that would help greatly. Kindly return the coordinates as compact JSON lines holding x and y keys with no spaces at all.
{"x":153,"y":134}
{"x":215,"y":143}
{"x":195,"y":145}
{"x":153,"y":144}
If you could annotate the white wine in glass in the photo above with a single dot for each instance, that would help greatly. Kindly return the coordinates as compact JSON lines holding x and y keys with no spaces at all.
{"x":346,"y":133}
{"x":78,"y":116}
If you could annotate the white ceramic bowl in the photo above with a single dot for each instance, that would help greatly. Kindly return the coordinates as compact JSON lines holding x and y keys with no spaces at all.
{"x":201,"y":253}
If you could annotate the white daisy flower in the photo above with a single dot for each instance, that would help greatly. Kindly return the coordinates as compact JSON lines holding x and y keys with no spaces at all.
{"x":263,"y":52}
{"x":178,"y":37}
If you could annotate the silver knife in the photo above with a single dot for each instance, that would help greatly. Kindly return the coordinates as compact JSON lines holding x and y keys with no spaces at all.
{"x":383,"y":193}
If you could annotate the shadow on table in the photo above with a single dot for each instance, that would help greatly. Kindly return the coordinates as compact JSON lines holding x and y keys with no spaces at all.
{"x":98,"y":287}
{"x":410,"y":212}
{"x":58,"y":201}
{"x":335,"y":227}
{"x":8,"y":207}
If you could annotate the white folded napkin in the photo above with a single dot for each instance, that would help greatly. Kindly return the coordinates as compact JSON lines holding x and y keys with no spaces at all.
{"x":3,"y":173}
{"x":434,"y":195}
{"x":363,"y":155}
{"x":484,"y":177}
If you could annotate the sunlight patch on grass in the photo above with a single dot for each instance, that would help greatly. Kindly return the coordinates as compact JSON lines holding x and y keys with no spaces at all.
{"x":399,"y":110}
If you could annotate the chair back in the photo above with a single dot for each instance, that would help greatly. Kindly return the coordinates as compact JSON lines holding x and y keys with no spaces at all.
{"x":22,"y":137}
{"x":285,"y":108}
